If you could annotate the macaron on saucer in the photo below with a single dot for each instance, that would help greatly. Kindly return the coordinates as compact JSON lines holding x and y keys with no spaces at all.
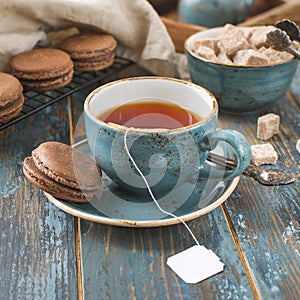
{"x":57,"y":168}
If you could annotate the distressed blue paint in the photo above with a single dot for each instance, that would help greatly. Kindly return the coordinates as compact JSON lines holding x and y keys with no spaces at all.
{"x":37,"y":245}
{"x":123,"y":263}
{"x":266,"y":219}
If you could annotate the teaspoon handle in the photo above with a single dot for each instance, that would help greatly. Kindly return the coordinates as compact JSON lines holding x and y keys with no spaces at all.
{"x":250,"y":170}
{"x":293,"y":52}
{"x":262,"y":175}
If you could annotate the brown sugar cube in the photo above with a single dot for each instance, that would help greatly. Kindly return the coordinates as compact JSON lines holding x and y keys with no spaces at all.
{"x":233,"y":39}
{"x":223,"y":57}
{"x":247,"y":32}
{"x":206,"y":53}
{"x":250,"y":57}
{"x":274,"y":56}
{"x":267,"y":126}
{"x":258,"y":36}
{"x":263,"y":154}
{"x":210,"y":43}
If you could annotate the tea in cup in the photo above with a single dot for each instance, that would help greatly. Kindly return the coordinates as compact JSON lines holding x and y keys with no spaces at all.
{"x":168,"y":125}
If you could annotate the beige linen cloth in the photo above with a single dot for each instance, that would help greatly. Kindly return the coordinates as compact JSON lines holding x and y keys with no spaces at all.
{"x":141,"y":35}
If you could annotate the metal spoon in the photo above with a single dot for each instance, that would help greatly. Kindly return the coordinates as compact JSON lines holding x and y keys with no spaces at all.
{"x":281,"y":38}
{"x":290,"y":28}
{"x":261,"y":174}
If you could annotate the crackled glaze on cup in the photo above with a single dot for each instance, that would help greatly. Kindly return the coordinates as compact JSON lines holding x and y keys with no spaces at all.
{"x":166,"y":157}
{"x":239,"y":89}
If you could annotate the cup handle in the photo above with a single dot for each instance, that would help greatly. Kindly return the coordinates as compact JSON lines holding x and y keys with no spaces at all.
{"x":240,"y":146}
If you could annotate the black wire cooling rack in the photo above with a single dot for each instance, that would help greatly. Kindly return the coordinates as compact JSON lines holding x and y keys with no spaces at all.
{"x":36,"y":101}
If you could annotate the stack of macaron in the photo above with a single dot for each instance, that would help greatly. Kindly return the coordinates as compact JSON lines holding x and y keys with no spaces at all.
{"x":11,"y":97}
{"x":90,"y":51}
{"x":63,"y":171}
{"x":45,"y":69}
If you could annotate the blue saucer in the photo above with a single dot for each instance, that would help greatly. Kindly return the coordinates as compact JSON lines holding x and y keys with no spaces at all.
{"x":114,"y":207}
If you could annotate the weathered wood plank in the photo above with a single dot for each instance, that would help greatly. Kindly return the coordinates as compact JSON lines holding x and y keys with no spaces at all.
{"x":37,"y":246}
{"x":266,"y":219}
{"x":288,"y":9}
{"x":180,"y":31}
{"x":130,"y":263}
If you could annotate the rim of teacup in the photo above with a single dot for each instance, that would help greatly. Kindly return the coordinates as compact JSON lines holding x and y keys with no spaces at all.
{"x":189,"y":49}
{"x":149,"y":130}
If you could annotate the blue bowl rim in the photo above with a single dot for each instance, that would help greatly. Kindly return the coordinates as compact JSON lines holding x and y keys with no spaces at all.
{"x":189,"y":51}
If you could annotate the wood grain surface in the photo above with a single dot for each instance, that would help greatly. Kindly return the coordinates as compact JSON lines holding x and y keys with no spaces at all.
{"x":44,"y":254}
{"x":37,"y":240}
{"x":130,"y":263}
{"x":266,"y":218}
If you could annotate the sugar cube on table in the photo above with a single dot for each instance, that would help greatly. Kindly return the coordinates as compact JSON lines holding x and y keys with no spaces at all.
{"x":267,"y":126}
{"x":263,"y":154}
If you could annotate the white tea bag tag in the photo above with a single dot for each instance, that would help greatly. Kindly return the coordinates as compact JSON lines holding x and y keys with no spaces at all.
{"x":195,"y":264}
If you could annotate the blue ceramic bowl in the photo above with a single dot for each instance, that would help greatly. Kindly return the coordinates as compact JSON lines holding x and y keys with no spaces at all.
{"x":238,"y":89}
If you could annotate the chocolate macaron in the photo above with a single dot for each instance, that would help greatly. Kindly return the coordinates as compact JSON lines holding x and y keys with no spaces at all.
{"x":90,"y":51}
{"x":38,"y":178}
{"x":63,"y":171}
{"x":11,"y":97}
{"x":42,"y":69}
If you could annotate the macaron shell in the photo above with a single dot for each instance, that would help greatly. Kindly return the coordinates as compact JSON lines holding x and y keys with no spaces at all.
{"x":67,"y":166}
{"x":11,"y":97}
{"x":85,"y":45}
{"x":10,"y":88}
{"x":95,"y":64}
{"x":41,"y":63}
{"x":12,"y":109}
{"x":48,"y":84}
{"x":35,"y":176}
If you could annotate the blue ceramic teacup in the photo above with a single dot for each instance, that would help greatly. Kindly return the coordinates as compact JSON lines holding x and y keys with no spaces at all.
{"x":166,"y":157}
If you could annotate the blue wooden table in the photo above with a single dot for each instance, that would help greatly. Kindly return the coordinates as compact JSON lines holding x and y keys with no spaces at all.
{"x":46,"y":253}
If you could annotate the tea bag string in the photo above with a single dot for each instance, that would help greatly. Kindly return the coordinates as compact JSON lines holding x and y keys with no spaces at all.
{"x":150,"y":191}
